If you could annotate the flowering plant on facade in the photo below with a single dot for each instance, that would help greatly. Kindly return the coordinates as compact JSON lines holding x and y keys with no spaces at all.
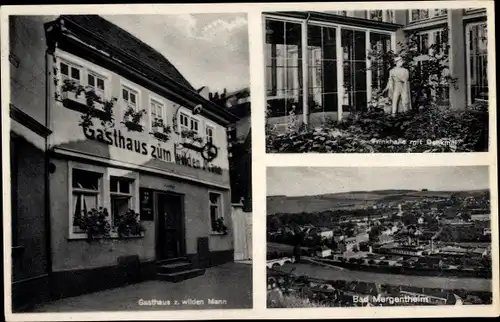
{"x":95,"y":223}
{"x":128,"y":224}
{"x":132,"y":119}
{"x":292,"y":119}
{"x":220,"y":227}
{"x":191,"y":135}
{"x":161,"y":131}
{"x":104,"y":113}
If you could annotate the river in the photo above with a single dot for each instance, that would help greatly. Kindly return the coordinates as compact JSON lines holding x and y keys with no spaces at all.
{"x":470,"y":284}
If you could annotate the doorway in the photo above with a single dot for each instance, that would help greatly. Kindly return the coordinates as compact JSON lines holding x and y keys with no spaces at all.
{"x":170,"y":241}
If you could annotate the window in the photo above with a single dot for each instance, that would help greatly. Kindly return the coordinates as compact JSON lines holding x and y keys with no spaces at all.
{"x":82,"y":76}
{"x":129,"y":96}
{"x":327,"y":73}
{"x":477,"y":61}
{"x":376,"y":15}
{"x":215,"y":208}
{"x":345,"y":13}
{"x":430,"y":43}
{"x":184,"y":120}
{"x":209,"y":133}
{"x":188,"y":123}
{"x":379,"y":44}
{"x":419,"y":14}
{"x":283,"y":67}
{"x":87,"y":193}
{"x":353,"y":44}
{"x":322,"y":69}
{"x":440,"y":12}
{"x":194,"y":125}
{"x":70,"y":71}
{"x":416,"y":15}
{"x":96,"y":82}
{"x":93,"y":187}
{"x":121,"y":193}
{"x":157,"y":111}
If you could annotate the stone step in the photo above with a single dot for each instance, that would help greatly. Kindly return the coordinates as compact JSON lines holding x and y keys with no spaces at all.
{"x":180,"y":276}
{"x":172,"y":260}
{"x":174,"y":267}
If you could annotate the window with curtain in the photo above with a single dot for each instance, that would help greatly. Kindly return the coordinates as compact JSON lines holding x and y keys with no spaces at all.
{"x":283,"y":67}
{"x":86,"y":192}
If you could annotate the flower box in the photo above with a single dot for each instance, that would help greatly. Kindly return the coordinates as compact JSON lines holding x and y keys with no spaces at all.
{"x":79,"y":102}
{"x":71,"y":96}
{"x":132,"y":126}
{"x":158,"y":129}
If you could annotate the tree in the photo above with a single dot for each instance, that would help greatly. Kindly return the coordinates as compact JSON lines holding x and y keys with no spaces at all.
{"x":466,"y":216}
{"x":428,"y":71}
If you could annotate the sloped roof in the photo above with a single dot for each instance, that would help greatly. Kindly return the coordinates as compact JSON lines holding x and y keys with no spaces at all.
{"x":128,"y":43}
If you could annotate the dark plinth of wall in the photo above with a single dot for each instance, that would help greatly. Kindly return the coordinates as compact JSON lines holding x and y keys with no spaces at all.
{"x":77,"y":282}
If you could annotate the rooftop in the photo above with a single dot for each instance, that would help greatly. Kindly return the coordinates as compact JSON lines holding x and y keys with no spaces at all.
{"x":128,"y":43}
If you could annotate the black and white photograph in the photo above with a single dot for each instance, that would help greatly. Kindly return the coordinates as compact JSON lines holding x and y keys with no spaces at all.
{"x":134,"y":187}
{"x":130,"y":162}
{"x":378,"y":236}
{"x":371,"y":81}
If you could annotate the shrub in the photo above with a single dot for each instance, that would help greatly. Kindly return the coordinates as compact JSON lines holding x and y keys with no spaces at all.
{"x":95,"y":224}
{"x":431,"y":129}
{"x":128,"y":224}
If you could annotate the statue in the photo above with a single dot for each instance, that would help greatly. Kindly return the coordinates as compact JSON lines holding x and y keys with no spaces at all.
{"x":398,"y":87}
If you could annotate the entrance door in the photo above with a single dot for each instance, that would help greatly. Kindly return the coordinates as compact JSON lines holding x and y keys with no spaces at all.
{"x":170,"y":243}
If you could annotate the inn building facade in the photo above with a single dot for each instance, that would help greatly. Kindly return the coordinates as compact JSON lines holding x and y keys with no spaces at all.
{"x":162,"y":153}
{"x":318,"y":64}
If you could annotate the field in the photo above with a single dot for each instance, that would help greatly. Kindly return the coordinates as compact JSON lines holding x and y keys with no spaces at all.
{"x":349,"y":200}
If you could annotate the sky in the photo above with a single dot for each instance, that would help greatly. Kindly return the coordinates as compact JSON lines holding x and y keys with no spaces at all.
{"x":208,"y":49}
{"x":301,"y":181}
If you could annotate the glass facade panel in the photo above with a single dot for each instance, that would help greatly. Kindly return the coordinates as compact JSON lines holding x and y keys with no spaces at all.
{"x":322,"y":72}
{"x":327,"y":49}
{"x":284,"y":67}
{"x":478,"y":62}
{"x":353,"y":44}
{"x":380,"y":44}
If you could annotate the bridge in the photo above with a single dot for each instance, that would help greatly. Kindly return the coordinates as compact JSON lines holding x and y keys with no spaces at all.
{"x":278,"y":262}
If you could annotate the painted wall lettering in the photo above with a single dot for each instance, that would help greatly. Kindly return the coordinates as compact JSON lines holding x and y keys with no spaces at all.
{"x":116,"y":138}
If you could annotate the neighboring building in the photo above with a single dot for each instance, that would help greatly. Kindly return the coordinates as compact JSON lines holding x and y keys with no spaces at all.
{"x":325,"y":233}
{"x":240,"y":166}
{"x":30,"y":252}
{"x":302,"y":47}
{"x":324,"y":252}
{"x":179,"y":186}
{"x":240,"y":144}
{"x":384,"y":239}
{"x":479,"y":252}
{"x":408,"y":251}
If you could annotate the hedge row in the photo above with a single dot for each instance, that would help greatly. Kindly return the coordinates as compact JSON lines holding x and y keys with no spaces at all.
{"x":430,"y":130}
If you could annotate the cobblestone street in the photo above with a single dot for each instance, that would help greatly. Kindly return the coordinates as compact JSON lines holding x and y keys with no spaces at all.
{"x":230,"y":285}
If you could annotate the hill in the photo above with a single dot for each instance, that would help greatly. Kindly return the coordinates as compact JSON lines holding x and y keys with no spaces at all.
{"x":351,"y":200}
